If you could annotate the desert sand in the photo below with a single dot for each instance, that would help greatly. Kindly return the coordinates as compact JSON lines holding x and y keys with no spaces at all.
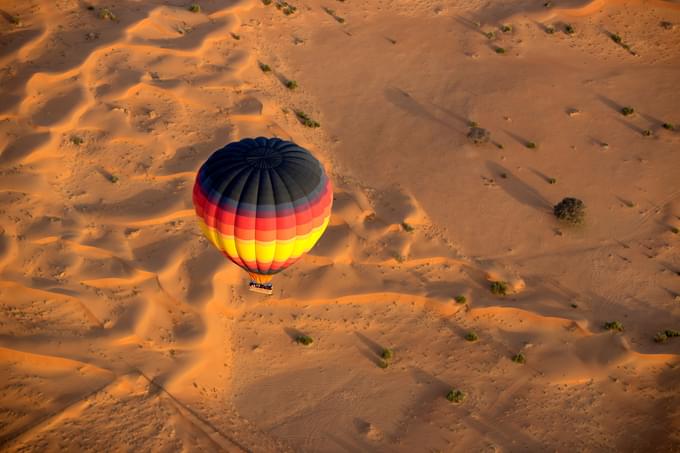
{"x":122,"y":329}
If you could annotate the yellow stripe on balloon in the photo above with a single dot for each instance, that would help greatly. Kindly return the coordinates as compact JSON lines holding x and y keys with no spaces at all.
{"x":261,"y":252}
{"x":222,"y":242}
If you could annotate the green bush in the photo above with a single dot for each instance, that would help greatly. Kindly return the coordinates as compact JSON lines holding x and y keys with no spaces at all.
{"x":664,"y":335}
{"x":455,"y":396}
{"x":478,"y":135}
{"x":106,"y":14}
{"x":570,"y":210}
{"x":306,"y":120}
{"x":304,"y":340}
{"x":499,"y":288}
{"x":471,"y":336}
{"x":613,"y":325}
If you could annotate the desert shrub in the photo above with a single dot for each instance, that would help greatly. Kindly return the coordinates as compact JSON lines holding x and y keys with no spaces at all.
{"x":519,"y":358}
{"x":265,"y":67}
{"x":647,"y":133}
{"x":407,"y":227}
{"x":113,"y":178}
{"x":627,"y":111}
{"x":616,"y":38}
{"x":668,"y":126}
{"x":76,"y":140}
{"x":506,"y":28}
{"x":387,"y":354}
{"x":304,"y":340}
{"x":664,"y":335}
{"x":291,"y":84}
{"x":106,"y":14}
{"x":660,"y":337}
{"x":331,"y":13}
{"x":570,"y":210}
{"x":500,"y":50}
{"x":569,"y":29}
{"x":478,"y":135}
{"x":285,"y":7}
{"x":306,"y":120}
{"x":499,"y":288}
{"x":383,"y":364}
{"x":195,"y":8}
{"x":552,"y":181}
{"x":455,"y":396}
{"x":460,"y":299}
{"x":531,"y":145}
{"x":471,"y":336}
{"x":613,"y":325}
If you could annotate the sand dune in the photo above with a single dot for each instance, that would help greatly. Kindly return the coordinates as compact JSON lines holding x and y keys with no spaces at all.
{"x":123,"y":329}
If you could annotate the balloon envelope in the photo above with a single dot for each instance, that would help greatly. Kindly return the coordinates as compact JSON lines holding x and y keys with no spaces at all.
{"x":263,"y":202}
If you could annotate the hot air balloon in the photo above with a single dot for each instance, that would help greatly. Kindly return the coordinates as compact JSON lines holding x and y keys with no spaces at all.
{"x":263,"y":202}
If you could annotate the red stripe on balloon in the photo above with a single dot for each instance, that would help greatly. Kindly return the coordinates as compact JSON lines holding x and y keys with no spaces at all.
{"x":245,"y":227}
{"x":251,"y":266}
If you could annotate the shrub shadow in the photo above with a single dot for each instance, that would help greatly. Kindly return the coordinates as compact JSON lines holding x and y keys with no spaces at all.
{"x":518,"y":189}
